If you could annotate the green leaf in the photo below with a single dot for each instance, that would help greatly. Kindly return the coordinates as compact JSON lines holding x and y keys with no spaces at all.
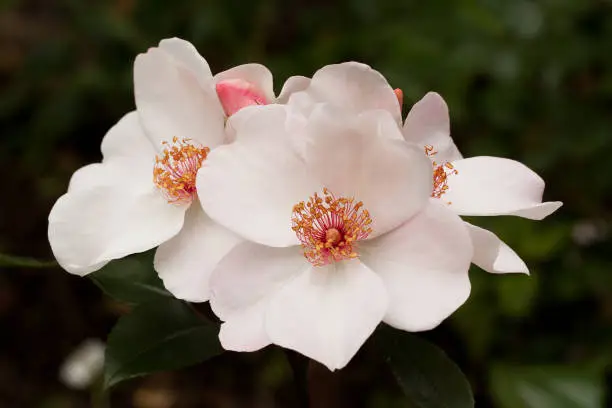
{"x":547,"y":387}
{"x":157,"y":336}
{"x":427,"y":376}
{"x":23,"y":262}
{"x":132,"y":280}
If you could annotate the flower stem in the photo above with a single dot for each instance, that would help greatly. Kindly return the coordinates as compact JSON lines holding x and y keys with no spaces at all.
{"x":99,"y":395}
{"x":23,"y":262}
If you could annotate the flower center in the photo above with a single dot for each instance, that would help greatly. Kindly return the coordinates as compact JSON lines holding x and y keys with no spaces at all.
{"x":329,"y":227}
{"x":333,"y":236}
{"x":235,"y":94}
{"x":174,"y":172}
{"x":441,"y":172}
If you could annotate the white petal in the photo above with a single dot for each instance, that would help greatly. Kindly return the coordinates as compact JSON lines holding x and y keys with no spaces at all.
{"x":241,"y":287}
{"x":428,"y":123}
{"x":379,"y":123}
{"x":126,"y":140}
{"x":251,"y":185}
{"x":392,"y":178}
{"x":492,"y":254}
{"x":245,"y":330}
{"x":185,"y":262}
{"x":497,"y":186}
{"x":424,"y":264}
{"x":186,"y":54}
{"x":124,"y":144}
{"x":303,"y":103}
{"x":256,"y":74}
{"x":110,"y":213}
{"x":538,"y":211}
{"x":251,"y":273}
{"x":293,"y":84}
{"x":327,"y":313}
{"x":355,"y":87}
{"x":172,"y":102}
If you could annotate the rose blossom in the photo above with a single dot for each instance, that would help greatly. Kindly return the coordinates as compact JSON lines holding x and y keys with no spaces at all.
{"x":340,"y":233}
{"x":143,"y":194}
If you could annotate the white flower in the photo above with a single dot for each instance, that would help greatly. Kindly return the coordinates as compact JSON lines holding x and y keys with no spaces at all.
{"x":477,"y":185}
{"x":84,"y":365}
{"x":473,"y":186}
{"x":341,"y":233}
{"x":141,"y":195}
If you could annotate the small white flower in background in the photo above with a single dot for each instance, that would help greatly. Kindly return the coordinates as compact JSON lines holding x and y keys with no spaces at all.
{"x":474,"y":186}
{"x":141,"y":195}
{"x":341,"y":233}
{"x":84,"y":365}
{"x":589,"y":231}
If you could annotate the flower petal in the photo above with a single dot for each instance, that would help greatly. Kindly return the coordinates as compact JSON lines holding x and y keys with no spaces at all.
{"x":172,"y":102}
{"x":293,"y":84}
{"x":355,"y":87}
{"x":327,"y":313}
{"x":186,"y":54}
{"x":126,"y":140}
{"x":112,"y":209}
{"x":241,"y":286}
{"x":251,"y":273}
{"x":251,"y":185}
{"x":492,"y":254}
{"x":185,"y":262}
{"x":428,"y":123}
{"x":351,"y":158}
{"x":245,"y":330}
{"x":256,"y":74}
{"x":497,"y":186}
{"x":424,"y":265}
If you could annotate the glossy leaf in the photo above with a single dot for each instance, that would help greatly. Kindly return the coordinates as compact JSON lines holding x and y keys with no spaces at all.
{"x":547,"y":387}
{"x":157,"y":336}
{"x":428,"y":378}
{"x":132,"y":280}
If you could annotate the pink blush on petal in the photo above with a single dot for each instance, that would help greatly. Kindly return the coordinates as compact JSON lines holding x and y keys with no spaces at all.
{"x":235,"y":94}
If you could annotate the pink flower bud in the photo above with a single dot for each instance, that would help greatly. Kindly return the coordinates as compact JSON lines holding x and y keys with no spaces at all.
{"x":235,"y":94}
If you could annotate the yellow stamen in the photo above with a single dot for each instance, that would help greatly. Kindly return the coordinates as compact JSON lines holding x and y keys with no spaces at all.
{"x":174,"y":173}
{"x":441,"y":172}
{"x":329,"y":227}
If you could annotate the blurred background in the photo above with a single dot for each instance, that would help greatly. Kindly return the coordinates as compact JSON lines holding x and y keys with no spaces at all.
{"x":527,"y":80}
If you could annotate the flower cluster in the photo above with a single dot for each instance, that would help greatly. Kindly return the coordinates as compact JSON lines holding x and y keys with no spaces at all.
{"x":305,"y":219}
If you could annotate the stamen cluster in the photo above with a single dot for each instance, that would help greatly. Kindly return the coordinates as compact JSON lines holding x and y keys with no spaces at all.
{"x":175,"y":171}
{"x":441,"y":172}
{"x":328,"y":227}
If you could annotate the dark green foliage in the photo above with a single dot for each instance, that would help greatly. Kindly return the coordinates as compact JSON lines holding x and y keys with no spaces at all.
{"x":547,"y":387}
{"x":428,"y":378}
{"x":158,"y":336}
{"x":131,"y":280}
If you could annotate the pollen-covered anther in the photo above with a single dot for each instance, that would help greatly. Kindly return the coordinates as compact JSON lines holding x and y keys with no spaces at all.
{"x":175,"y":170}
{"x":329,"y":227}
{"x":441,"y":172}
